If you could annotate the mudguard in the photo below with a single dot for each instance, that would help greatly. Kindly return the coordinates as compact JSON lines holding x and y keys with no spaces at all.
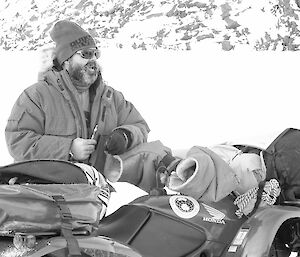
{"x":256,"y":235}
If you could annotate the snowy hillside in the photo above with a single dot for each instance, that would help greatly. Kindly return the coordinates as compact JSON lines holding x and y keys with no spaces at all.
{"x":151,"y":24}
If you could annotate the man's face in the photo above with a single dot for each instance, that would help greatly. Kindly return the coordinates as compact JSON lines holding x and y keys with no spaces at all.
{"x":85,"y":71}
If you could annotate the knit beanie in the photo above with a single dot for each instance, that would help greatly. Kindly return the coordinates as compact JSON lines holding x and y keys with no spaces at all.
{"x":69,"y":38}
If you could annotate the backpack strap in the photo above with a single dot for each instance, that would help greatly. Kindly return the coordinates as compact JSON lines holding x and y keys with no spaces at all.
{"x":66,"y":226}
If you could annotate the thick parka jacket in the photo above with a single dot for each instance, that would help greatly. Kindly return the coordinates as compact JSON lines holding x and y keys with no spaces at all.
{"x":47,"y":116}
{"x":206,"y":173}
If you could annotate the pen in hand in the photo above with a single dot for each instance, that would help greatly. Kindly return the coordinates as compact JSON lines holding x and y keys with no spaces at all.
{"x":94,"y":132}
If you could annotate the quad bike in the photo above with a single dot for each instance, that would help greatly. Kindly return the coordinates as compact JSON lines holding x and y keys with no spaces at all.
{"x":177,"y":225}
{"x":172,"y":225}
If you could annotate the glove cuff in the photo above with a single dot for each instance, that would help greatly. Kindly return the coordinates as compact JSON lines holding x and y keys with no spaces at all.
{"x":127,"y":136}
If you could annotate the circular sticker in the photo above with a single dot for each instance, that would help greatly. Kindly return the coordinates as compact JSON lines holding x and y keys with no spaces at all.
{"x":185,"y":207}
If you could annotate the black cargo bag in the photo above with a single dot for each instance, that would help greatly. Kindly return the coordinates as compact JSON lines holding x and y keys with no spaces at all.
{"x":282,"y":160}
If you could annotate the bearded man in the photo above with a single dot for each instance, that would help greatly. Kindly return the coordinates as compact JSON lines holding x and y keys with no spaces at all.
{"x":70,"y":113}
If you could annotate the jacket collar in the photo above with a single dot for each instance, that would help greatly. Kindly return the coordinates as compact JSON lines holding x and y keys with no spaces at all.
{"x":54,"y":78}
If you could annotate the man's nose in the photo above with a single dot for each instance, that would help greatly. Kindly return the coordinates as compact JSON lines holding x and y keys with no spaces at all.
{"x":94,"y":57}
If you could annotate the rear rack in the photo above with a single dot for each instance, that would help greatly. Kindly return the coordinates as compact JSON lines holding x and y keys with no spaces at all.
{"x":292,"y":203}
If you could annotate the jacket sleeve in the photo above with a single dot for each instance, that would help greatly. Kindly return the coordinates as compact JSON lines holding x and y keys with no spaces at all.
{"x":130,"y":119}
{"x":25,"y":131}
{"x":203,"y":175}
{"x":137,"y":166}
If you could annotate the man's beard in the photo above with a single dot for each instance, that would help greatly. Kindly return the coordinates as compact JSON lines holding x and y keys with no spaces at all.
{"x":85,"y":75}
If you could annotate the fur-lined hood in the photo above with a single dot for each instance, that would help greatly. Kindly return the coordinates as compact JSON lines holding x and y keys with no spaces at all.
{"x":46,"y":56}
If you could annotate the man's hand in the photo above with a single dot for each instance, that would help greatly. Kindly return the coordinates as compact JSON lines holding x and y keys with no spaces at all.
{"x":117,"y":142}
{"x":82,"y":148}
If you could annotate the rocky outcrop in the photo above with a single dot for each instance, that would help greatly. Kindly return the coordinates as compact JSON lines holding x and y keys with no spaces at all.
{"x":152,"y":24}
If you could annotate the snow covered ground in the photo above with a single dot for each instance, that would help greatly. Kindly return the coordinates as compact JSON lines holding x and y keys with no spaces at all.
{"x":188,"y":98}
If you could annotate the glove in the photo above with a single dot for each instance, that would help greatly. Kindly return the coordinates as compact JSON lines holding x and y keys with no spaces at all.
{"x":165,"y":167}
{"x":117,"y":142}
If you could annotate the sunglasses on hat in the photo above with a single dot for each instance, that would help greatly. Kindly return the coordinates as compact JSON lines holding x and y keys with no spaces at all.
{"x":89,"y":53}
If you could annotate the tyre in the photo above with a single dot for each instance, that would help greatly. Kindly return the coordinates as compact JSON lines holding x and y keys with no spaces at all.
{"x":278,"y":249}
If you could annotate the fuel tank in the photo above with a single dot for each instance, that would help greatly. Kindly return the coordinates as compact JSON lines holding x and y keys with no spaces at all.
{"x":174,"y":225}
